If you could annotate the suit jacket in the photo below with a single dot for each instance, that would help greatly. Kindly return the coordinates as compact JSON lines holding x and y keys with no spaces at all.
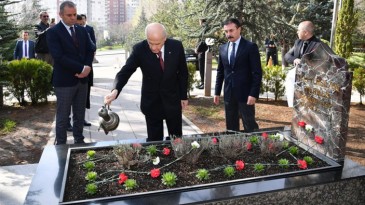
{"x":243,"y":79}
{"x":294,"y":52}
{"x":69,"y":59}
{"x":162,"y":91}
{"x":18,"y":51}
{"x":90,"y":31}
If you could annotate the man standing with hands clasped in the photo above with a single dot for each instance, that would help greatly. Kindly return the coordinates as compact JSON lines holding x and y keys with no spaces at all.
{"x":164,"y":82}
{"x":72,"y":51}
{"x":240,"y":68}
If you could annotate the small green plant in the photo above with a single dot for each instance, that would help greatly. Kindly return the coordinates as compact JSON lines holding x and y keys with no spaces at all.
{"x":152,"y":150}
{"x":285,"y":144}
{"x":91,"y":176}
{"x":254,"y":139}
{"x":169,"y":179}
{"x":7,"y":125}
{"x":90,"y":154}
{"x":258,"y":167}
{"x":229,"y":171}
{"x":308,"y":159}
{"x":293,"y":150}
{"x":284,"y":163}
{"x":89,"y":165}
{"x":130,"y":184}
{"x":202,"y":174}
{"x":91,"y":189}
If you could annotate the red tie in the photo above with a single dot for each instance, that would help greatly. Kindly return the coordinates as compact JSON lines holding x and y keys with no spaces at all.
{"x":161,"y":60}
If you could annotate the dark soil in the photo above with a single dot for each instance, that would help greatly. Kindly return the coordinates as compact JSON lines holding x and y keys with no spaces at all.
{"x":186,"y":172}
{"x":24,"y":145}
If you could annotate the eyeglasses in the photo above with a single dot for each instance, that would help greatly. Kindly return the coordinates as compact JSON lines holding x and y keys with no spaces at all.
{"x":45,"y":16}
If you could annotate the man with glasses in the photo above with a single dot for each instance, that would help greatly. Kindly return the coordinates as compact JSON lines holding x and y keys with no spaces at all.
{"x":41,"y":47}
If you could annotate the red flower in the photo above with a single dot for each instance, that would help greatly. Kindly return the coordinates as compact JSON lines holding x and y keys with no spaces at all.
{"x":249,"y":146}
{"x":214,"y":140}
{"x":155,"y":173}
{"x":166,"y":151}
{"x":318,"y":139}
{"x":265,"y":135}
{"x":271,"y":146}
{"x":122,"y":178}
{"x":302,"y":164}
{"x":240,"y":165}
{"x":301,"y":124}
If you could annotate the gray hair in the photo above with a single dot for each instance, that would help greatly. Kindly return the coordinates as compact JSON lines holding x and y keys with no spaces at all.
{"x":68,"y":4}
{"x":153,"y":24}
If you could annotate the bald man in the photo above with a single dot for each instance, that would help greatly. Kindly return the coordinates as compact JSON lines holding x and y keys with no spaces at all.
{"x":305,"y":44}
{"x":164,"y":82}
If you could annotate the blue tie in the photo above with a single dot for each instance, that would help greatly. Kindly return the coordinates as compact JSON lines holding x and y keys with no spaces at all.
{"x":232,"y":57}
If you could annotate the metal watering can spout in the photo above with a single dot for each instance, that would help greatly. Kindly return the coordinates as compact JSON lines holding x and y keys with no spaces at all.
{"x":109,"y":120}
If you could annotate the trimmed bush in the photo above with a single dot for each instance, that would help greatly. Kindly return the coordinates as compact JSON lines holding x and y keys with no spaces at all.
{"x":191,"y":80}
{"x":29,"y":76}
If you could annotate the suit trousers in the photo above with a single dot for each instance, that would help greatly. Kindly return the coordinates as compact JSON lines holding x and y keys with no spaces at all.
{"x":201,"y":61}
{"x":155,"y":127}
{"x":68,"y":97}
{"x":234,"y":109}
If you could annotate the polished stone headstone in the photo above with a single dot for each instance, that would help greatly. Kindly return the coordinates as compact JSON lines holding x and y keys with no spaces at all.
{"x":322,"y":100}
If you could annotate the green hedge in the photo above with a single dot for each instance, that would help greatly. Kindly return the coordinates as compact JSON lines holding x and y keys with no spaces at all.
{"x":31,"y":77}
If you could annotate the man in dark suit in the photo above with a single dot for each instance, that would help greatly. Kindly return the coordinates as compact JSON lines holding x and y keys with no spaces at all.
{"x":164,"y":83}
{"x":200,"y":49}
{"x":240,"y":68}
{"x":305,"y":44}
{"x":72,"y":51}
{"x":24,"y":48}
{"x":41,"y":47}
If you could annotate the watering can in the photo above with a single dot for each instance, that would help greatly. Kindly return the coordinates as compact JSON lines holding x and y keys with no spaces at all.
{"x":109,"y":120}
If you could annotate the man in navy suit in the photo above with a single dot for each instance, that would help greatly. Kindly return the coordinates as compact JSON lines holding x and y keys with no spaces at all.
{"x":305,"y":44}
{"x":239,"y":67}
{"x":72,"y":51}
{"x":164,"y":82}
{"x":24,"y":48}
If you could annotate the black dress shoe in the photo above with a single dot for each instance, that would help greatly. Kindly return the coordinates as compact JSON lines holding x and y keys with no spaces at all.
{"x":69,"y":128}
{"x":79,"y":142}
{"x":201,"y":87}
{"x":86,"y":123}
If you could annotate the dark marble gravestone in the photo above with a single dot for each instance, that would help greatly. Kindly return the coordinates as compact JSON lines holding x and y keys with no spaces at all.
{"x":322,"y":100}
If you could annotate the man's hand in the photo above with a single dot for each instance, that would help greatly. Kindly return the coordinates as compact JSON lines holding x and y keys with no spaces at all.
{"x":85,"y":72}
{"x":184,"y":104}
{"x":109,"y":98}
{"x":296,"y":61}
{"x":216,"y":99}
{"x":251,"y":100}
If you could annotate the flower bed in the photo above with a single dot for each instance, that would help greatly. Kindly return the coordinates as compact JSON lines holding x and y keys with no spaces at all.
{"x":126,"y":170}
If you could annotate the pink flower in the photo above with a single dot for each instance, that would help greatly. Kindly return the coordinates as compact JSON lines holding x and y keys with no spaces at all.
{"x":122,"y":178}
{"x":302,"y":164}
{"x":240,"y":165}
{"x":177,"y":140}
{"x":214,"y":140}
{"x":249,"y":146}
{"x":318,"y":139}
{"x":166,"y":151}
{"x":136,"y":145}
{"x":155,"y":173}
{"x":271,"y":146}
{"x":301,"y":124}
{"x":265,"y":135}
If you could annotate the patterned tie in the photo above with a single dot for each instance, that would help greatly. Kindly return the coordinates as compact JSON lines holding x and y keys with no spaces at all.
{"x":73,"y":34}
{"x":25,"y":49}
{"x":161,"y":60}
{"x":233,"y":55}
